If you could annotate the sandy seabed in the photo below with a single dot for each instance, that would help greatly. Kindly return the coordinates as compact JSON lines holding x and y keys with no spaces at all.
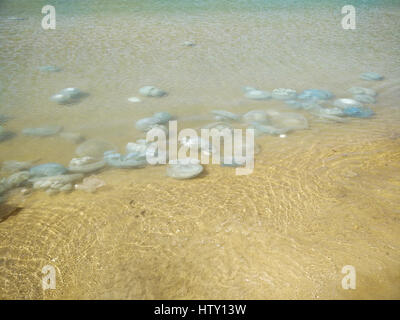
{"x":317,"y":200}
{"x":284,"y":231}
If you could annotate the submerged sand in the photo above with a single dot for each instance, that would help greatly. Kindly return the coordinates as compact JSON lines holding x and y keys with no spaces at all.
{"x":284,"y":231}
{"x":317,"y":200}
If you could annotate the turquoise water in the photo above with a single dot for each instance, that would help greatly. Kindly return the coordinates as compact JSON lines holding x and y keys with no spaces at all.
{"x":73,"y":7}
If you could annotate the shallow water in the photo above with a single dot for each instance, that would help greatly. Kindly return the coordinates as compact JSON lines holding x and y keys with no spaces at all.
{"x":318,"y":199}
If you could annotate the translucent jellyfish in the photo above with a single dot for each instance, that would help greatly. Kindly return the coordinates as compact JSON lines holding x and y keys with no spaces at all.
{"x":332,"y":114}
{"x":54,"y":181}
{"x":150,"y":91}
{"x":184,"y":169}
{"x":85,"y":165}
{"x":371,"y":76}
{"x":134,"y":99}
{"x":163,"y":117}
{"x":47,"y":169}
{"x":255,"y":94}
{"x":364,"y":98}
{"x":131,"y":160}
{"x":66,"y":187}
{"x":315,"y":94}
{"x":294,"y":104}
{"x":247,"y":88}
{"x":67,"y":95}
{"x":284,"y":94}
{"x":310,"y":105}
{"x":90,"y":184}
{"x":222,"y":115}
{"x":161,"y":127}
{"x":139,"y":148}
{"x":42,"y":131}
{"x":281,"y":122}
{"x":14,"y":166}
{"x":330,"y":111}
{"x":17,"y":179}
{"x":142,"y":150}
{"x":198,"y":143}
{"x":290,"y":121}
{"x":189,"y":43}
{"x":256,"y":115}
{"x":361,"y":90}
{"x":358,"y":112}
{"x":3,"y":186}
{"x":61,"y":98}
{"x":345,"y":103}
{"x":146,"y":124}
{"x":49,"y":69}
{"x":72,"y":92}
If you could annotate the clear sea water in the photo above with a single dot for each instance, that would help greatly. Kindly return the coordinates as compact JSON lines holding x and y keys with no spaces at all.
{"x":318,"y":199}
